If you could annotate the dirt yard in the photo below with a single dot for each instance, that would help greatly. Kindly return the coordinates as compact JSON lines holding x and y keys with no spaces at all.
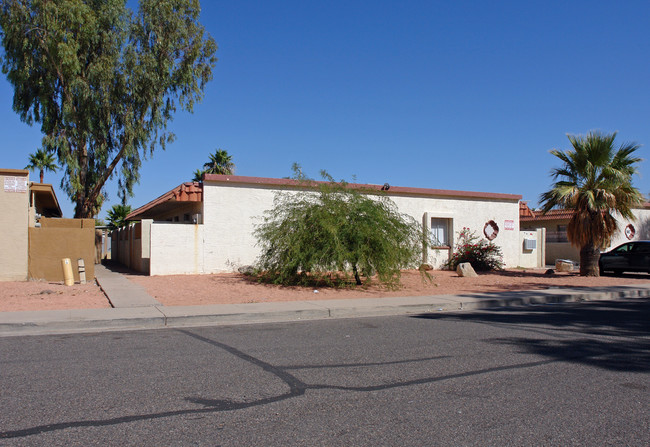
{"x":43,"y":295}
{"x":179,"y":290}
{"x":225,"y":288}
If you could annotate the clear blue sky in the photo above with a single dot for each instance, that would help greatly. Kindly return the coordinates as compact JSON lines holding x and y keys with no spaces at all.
{"x":466,"y":95}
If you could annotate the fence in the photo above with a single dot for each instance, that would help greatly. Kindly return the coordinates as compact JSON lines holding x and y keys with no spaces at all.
{"x":57,"y":239}
{"x":160,"y":248}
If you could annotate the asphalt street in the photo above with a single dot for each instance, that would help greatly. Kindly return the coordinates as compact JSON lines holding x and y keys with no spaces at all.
{"x":555,"y":375}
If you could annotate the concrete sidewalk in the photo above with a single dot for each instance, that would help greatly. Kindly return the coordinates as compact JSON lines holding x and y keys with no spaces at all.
{"x":135,"y":309}
{"x":120,"y":291}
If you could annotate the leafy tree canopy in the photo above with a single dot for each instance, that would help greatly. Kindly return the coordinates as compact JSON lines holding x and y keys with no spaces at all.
{"x":331,"y":228}
{"x":103,"y":82}
{"x":117,"y":216}
{"x":42,"y":161}
{"x":595,"y":181}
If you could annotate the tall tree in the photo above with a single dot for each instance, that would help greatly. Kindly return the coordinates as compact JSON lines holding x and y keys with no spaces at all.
{"x":42,"y":161}
{"x":595,"y":182}
{"x":103,"y":82}
{"x":220,"y":163}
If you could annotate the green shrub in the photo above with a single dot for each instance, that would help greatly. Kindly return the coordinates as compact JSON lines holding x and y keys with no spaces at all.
{"x":333,"y":233}
{"x":483,"y":255}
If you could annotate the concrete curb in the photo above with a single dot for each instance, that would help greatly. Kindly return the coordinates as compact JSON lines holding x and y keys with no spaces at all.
{"x":156,"y":317}
{"x":79,"y":320}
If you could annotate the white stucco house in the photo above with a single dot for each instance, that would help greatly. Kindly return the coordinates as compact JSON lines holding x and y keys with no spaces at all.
{"x":207,"y":227}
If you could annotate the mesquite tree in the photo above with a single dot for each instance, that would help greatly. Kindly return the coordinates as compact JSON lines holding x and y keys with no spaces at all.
{"x":330,"y":229}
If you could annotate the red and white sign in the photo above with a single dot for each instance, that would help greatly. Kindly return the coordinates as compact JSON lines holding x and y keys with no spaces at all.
{"x":15,"y":184}
{"x":509,"y":225}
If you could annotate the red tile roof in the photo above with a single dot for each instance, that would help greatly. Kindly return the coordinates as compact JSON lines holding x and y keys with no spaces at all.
{"x":185,"y":192}
{"x":552,"y":214}
{"x":524,"y":210}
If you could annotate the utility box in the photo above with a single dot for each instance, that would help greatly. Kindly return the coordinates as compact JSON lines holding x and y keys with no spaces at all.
{"x":530,"y":244}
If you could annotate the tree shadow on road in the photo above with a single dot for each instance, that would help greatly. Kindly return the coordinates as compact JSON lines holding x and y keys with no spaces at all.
{"x":613,"y":335}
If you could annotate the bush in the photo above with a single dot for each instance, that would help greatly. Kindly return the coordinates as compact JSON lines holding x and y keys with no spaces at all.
{"x":333,"y":233}
{"x":483,"y":255}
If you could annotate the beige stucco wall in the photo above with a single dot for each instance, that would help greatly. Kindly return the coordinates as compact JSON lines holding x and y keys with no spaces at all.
{"x":14,"y":222}
{"x":561,"y":250}
{"x":231,"y":212}
{"x":532,"y":258}
{"x":57,"y":239}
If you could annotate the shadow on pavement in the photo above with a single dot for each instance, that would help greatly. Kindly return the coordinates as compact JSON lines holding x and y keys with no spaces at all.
{"x":116,"y":267}
{"x":613,"y":335}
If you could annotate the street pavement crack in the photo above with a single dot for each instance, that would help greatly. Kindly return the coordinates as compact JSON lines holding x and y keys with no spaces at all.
{"x":296,"y":388}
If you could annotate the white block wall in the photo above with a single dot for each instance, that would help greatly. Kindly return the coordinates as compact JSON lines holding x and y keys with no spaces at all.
{"x":232,"y":210}
{"x":641,"y":225}
{"x":176,"y":249}
{"x":470,"y":213}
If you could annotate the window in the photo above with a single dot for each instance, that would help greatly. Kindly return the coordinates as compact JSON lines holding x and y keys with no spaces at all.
{"x":624,"y":248}
{"x":641,"y":247}
{"x":439,"y":232}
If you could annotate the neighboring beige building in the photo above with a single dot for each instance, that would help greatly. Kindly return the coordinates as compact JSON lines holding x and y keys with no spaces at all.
{"x":555,"y":223}
{"x":21,"y":202}
{"x":208,"y":227}
{"x":14,"y":221}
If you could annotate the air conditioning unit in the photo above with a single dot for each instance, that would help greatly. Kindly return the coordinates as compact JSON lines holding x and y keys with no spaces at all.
{"x":197,"y":218}
{"x":530,"y":244}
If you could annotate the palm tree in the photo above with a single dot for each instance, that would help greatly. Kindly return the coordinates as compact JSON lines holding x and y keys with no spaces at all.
{"x":596,"y":183}
{"x":117,"y":216}
{"x":220,"y":163}
{"x":42,"y":161}
{"x":198,"y":175}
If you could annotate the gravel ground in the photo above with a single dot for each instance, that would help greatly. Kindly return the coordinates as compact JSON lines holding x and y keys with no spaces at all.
{"x":44,"y":295}
{"x":228,"y":288}
{"x":181,"y":290}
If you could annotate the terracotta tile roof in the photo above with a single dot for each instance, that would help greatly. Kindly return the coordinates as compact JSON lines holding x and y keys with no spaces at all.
{"x":524,"y":210}
{"x":185,"y":192}
{"x":392,"y":190}
{"x":553,"y":214}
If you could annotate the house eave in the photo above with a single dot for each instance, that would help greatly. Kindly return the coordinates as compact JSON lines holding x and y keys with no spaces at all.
{"x":392,"y":190}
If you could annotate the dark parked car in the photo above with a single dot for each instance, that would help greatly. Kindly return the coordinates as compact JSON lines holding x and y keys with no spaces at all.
{"x":629,"y":257}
